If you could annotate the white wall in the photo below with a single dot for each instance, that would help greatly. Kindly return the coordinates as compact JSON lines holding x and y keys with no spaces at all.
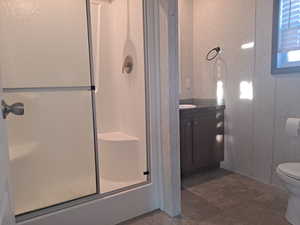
{"x":277,"y":99}
{"x":227,"y":24}
{"x":264,"y":96}
{"x":256,"y":140}
{"x":186,"y":47}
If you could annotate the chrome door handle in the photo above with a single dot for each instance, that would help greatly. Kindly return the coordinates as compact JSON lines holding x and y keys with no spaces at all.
{"x":16,"y":109}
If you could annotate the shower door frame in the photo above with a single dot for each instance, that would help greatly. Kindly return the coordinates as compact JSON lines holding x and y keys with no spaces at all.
{"x":152,"y":99}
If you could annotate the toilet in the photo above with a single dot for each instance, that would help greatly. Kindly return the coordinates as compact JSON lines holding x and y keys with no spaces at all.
{"x":289,"y":173}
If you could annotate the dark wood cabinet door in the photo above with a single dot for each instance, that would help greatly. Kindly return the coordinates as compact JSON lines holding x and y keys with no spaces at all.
{"x":204,"y":136}
{"x":219,"y":141}
{"x":201,"y":140}
{"x":186,"y":146}
{"x":218,"y":155}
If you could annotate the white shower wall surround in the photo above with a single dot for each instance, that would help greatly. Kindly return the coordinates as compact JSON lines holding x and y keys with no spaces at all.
{"x":256,"y":138}
{"x":120,"y":97}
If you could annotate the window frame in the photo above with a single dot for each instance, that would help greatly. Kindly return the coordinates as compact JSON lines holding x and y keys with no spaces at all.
{"x":275,"y":70}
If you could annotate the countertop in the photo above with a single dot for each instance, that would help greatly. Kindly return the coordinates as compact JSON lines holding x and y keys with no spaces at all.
{"x":202,"y":104}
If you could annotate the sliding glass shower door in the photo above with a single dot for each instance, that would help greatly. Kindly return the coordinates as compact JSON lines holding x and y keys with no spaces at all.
{"x":117,"y":29}
{"x":46,"y":67}
{"x":58,"y":157}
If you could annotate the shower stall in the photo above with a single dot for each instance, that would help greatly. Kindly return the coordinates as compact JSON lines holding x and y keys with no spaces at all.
{"x":117,"y":34}
{"x":79,"y":69}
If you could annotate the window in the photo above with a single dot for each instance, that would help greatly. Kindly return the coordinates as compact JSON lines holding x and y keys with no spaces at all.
{"x":286,"y":37}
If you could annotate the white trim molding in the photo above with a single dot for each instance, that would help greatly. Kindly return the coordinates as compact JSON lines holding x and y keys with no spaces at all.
{"x":96,"y":40}
{"x":169,"y":83}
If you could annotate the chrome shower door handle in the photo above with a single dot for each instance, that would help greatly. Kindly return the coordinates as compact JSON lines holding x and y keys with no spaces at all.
{"x":16,"y":109}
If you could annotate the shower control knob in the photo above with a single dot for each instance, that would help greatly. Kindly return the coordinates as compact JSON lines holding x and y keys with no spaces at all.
{"x":16,"y":109}
{"x":127,"y":65}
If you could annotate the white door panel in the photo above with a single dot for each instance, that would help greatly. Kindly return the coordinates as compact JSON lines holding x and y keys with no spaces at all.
{"x":53,"y":131}
{"x":44,"y":43}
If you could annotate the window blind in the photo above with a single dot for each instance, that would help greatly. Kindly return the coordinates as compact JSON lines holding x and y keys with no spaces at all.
{"x":289,"y":26}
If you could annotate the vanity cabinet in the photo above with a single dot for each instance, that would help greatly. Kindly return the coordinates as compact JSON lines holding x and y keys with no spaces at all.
{"x":201,"y":139}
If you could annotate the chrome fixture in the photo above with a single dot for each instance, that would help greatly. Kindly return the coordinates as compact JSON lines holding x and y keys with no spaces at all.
{"x":127,"y":65}
{"x":16,"y":109}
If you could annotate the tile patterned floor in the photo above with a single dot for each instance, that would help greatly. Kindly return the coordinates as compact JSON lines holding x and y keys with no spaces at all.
{"x":223,"y":198}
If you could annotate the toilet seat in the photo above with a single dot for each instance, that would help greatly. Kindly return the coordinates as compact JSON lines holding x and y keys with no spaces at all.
{"x":292,"y":170}
{"x":290,"y":175}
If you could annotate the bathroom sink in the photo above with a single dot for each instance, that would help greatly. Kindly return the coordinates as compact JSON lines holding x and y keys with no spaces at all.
{"x":187,"y":106}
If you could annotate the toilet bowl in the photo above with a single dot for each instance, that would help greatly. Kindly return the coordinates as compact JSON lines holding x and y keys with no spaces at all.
{"x":289,"y":173}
